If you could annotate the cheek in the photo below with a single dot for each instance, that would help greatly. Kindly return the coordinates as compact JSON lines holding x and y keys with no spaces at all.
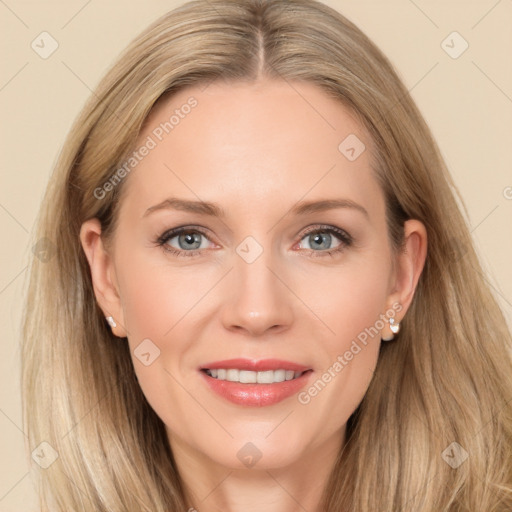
{"x":156,"y":295}
{"x":348,"y":353}
{"x":158,"y":301}
{"x":155,"y":303}
{"x":349,"y":299}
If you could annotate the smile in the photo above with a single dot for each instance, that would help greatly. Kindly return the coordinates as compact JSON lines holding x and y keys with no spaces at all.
{"x":255,"y":383}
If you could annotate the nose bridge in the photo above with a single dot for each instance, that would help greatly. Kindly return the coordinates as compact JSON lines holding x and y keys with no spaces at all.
{"x":258,"y":300}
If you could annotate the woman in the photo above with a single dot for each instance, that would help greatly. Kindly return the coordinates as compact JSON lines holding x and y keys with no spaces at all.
{"x":262,"y":293}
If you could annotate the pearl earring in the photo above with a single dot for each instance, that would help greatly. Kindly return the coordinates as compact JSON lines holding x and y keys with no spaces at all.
{"x":111,"y":321}
{"x":394,"y":328}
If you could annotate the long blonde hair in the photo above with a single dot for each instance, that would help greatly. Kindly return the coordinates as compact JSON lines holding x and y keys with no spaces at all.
{"x":446,"y":379}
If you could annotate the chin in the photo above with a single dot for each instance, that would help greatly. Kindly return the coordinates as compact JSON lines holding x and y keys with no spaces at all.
{"x":252,"y":452}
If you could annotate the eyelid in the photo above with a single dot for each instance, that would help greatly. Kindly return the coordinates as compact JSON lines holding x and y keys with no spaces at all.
{"x":178,"y":230}
{"x":321,"y":228}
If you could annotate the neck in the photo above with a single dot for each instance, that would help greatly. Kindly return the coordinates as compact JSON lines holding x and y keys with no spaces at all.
{"x":211,"y":487}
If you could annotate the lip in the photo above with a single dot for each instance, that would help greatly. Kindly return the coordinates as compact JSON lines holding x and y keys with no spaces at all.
{"x":255,"y":366}
{"x":256,"y":395}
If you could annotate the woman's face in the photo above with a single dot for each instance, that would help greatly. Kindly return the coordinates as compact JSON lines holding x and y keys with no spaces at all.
{"x":283,"y":262}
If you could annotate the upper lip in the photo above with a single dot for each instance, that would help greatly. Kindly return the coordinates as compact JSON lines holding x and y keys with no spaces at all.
{"x":254,"y":365}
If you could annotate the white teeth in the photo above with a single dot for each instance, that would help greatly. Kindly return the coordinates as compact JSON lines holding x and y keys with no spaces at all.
{"x":247,"y":377}
{"x":250,"y":377}
{"x":265,"y":377}
{"x":279,"y":375}
{"x":233,"y":375}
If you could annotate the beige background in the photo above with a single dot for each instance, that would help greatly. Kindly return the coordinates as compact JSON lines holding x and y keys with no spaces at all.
{"x":467,"y":101}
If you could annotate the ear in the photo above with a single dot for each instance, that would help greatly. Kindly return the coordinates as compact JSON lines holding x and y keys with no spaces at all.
{"x":103,"y":275}
{"x":409,"y":264}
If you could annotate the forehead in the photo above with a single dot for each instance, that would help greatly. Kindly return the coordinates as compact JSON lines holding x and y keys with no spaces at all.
{"x":257,"y":141}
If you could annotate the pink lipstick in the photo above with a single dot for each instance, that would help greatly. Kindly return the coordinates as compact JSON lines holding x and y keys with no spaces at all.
{"x":255,"y":383}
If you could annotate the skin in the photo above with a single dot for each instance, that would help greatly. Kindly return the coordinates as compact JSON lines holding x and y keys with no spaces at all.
{"x":255,"y":150}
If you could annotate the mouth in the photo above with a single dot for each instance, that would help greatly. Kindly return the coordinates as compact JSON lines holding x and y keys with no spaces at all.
{"x":255,"y":383}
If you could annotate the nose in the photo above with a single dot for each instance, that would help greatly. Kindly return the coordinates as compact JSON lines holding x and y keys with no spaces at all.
{"x":257,"y":299}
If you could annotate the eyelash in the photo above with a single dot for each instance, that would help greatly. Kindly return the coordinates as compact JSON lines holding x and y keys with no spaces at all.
{"x":345,"y":239}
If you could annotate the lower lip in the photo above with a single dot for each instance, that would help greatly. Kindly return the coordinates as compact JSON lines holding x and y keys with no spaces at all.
{"x":256,"y":395}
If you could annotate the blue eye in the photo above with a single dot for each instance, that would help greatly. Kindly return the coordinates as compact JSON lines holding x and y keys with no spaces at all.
{"x":191,"y":241}
{"x":320,"y":240}
{"x":188,"y":240}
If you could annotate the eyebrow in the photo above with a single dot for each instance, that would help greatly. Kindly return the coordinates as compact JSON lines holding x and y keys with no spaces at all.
{"x":214,"y":210}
